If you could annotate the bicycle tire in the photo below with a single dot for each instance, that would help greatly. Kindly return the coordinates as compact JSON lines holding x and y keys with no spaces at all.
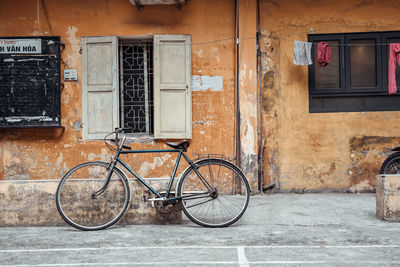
{"x":214,"y":210}
{"x":391,"y":165}
{"x":80,"y":209}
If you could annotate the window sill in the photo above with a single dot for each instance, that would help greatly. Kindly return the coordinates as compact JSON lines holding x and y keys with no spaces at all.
{"x":32,"y":127}
{"x":314,"y":94}
{"x":354,"y":103}
{"x":138,"y":138}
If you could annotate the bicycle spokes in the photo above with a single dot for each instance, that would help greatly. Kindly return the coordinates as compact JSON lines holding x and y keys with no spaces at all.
{"x":221,"y":206}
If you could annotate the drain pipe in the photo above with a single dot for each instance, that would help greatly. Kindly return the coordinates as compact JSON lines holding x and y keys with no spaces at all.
{"x":237,"y":111}
{"x":259,"y":72}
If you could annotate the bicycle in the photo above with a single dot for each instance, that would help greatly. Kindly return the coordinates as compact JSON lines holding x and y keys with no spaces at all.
{"x":94,"y":195}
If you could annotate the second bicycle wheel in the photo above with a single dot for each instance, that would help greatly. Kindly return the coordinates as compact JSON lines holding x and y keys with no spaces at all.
{"x":80,"y":208}
{"x":217,"y":201}
{"x":391,"y":165}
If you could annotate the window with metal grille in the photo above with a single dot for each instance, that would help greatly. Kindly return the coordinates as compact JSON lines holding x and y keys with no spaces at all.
{"x":136,"y":86}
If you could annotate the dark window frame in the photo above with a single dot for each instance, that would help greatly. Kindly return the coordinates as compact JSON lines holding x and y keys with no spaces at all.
{"x":346,"y":98}
{"x":50,"y":53}
{"x":378,"y":63}
{"x":311,"y":72}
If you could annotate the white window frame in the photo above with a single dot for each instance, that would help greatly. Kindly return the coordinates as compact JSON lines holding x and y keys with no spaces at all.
{"x":171,"y":84}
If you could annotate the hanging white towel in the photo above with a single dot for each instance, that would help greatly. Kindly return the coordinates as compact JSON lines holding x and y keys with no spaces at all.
{"x":302,"y":53}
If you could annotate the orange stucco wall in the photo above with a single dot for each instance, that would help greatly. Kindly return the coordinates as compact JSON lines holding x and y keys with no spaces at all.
{"x":48,"y":153}
{"x":307,"y":151}
{"x":303,"y":151}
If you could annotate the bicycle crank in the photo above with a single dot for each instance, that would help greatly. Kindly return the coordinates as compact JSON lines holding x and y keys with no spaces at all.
{"x":165,"y":206}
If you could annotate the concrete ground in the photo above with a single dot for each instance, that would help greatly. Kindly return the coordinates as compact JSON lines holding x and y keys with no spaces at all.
{"x":280,"y":229}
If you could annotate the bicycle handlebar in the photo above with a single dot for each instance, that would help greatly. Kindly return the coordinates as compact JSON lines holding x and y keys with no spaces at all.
{"x":117,"y":131}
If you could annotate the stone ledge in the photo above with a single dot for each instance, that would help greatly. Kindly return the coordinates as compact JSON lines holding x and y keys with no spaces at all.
{"x":388,"y":197}
{"x":32,"y":203}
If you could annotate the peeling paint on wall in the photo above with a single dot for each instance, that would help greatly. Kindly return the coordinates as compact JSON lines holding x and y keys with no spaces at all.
{"x":157,"y":162}
{"x":209,"y":120}
{"x":362,"y":186}
{"x":204,"y":83}
{"x":77,"y":125}
{"x":367,"y":153}
{"x":249,"y":124}
{"x":17,"y":163}
{"x":59,"y":161}
{"x":104,"y":155}
{"x":199,"y":53}
{"x":75,"y":44}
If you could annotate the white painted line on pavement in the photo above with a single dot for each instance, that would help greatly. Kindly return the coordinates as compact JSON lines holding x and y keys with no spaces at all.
{"x":128,"y":263}
{"x":330,"y":246}
{"x":192,"y":247}
{"x":206,"y":262}
{"x":243,"y":262}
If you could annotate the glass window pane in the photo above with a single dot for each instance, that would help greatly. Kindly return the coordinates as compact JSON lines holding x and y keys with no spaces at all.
{"x":328,"y":76}
{"x":394,"y":40}
{"x":363,"y":63}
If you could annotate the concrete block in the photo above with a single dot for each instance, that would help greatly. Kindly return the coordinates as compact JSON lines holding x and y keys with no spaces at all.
{"x":388,"y":197}
{"x":32,"y":203}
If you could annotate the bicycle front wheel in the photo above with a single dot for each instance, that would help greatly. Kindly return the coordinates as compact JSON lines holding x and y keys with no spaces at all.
{"x":78,"y":205}
{"x":215,"y":194}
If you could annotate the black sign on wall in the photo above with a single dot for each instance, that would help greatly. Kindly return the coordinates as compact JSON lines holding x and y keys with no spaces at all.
{"x":30,"y":82}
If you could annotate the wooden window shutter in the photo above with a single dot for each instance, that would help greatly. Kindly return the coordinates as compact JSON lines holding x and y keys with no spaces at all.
{"x":99,"y":86}
{"x":172,"y":87}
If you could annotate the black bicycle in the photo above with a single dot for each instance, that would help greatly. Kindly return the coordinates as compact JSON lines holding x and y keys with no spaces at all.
{"x":211,"y":192}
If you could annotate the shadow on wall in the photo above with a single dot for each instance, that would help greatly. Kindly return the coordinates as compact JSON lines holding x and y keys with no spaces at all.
{"x":31,"y":134}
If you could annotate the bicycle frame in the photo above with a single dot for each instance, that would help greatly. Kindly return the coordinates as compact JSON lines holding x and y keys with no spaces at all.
{"x":117,"y":159}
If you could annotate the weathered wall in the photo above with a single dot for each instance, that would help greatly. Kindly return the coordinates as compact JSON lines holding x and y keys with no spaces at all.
{"x":304,"y":151}
{"x":32,"y":203}
{"x":248,"y":90}
{"x":48,"y":153}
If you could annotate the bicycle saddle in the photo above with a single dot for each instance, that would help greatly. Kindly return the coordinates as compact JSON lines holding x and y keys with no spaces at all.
{"x":179,"y":145}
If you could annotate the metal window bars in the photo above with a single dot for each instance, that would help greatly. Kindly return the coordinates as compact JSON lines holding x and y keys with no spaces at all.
{"x":136,"y":87}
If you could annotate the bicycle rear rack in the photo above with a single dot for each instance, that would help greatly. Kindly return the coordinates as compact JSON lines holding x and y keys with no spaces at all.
{"x":199,"y":156}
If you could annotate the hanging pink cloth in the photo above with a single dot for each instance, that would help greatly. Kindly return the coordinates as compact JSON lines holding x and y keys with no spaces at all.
{"x":324,"y":53}
{"x":394,"y":57}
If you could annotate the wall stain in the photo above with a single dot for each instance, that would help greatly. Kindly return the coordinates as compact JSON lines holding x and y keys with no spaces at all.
{"x":318,"y":175}
{"x":271,"y":117}
{"x":367,"y":154}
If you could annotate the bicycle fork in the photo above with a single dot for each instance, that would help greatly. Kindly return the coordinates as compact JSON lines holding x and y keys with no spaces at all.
{"x":110,"y":168}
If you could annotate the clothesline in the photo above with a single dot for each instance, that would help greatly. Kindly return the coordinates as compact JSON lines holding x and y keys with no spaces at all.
{"x":303,"y":56}
{"x":378,"y":44}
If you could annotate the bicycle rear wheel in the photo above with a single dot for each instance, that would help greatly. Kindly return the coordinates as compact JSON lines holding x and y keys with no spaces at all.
{"x":77,"y":205}
{"x":216,"y":199}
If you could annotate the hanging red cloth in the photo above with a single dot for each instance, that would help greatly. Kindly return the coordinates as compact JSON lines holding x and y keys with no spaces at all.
{"x":394,"y":57}
{"x":324,"y":53}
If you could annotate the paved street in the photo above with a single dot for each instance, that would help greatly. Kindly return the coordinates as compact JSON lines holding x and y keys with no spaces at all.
{"x":280,"y":229}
